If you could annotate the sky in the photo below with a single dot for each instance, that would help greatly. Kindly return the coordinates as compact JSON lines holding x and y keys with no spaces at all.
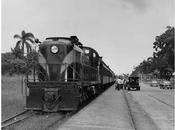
{"x":122,"y":31}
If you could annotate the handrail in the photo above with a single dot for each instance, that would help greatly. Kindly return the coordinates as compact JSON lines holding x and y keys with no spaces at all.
{"x":45,"y":76}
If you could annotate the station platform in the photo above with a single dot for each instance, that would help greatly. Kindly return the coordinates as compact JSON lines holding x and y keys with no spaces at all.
{"x":107,"y":112}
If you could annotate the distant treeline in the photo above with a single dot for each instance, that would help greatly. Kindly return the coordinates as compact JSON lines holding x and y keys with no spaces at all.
{"x":15,"y":65}
{"x":161,"y":64}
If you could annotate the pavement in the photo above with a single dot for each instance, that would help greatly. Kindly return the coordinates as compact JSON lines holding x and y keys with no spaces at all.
{"x":158,"y":104}
{"x":151,"y":108}
{"x":106,"y":112}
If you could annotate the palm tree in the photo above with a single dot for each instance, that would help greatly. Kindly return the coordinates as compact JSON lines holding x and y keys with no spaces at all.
{"x":24,"y":41}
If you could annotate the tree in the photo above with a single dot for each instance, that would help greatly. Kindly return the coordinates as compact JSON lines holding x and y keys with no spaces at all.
{"x":11,"y":64}
{"x":6,"y":62}
{"x":32,"y":59}
{"x":24,"y":41}
{"x":164,"y":52}
{"x":17,"y":52}
{"x":162,"y":63}
{"x":17,"y":66}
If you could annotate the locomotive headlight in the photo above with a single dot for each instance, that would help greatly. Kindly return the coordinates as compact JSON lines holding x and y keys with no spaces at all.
{"x":54,"y":49}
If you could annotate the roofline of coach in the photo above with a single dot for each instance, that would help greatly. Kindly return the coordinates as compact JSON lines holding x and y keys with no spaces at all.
{"x":57,"y":38}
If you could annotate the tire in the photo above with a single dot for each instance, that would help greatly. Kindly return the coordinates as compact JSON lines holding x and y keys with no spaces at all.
{"x":128,"y":89}
{"x":116,"y":87}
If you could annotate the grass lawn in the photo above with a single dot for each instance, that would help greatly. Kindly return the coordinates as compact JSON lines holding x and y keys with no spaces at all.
{"x":12,"y":100}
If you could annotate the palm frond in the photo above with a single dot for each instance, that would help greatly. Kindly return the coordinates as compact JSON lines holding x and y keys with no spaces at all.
{"x":27,"y":44}
{"x":29,"y":35}
{"x":23,"y":33}
{"x":17,"y":36}
{"x":29,"y":39}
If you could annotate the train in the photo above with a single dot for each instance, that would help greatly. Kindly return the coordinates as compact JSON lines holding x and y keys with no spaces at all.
{"x":67,"y":75}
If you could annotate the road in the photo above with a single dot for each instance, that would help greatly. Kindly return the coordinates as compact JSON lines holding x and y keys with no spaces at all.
{"x":156,"y":103}
{"x":150,"y":108}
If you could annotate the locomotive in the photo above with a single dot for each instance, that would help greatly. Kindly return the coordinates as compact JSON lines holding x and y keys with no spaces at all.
{"x":67,"y":74}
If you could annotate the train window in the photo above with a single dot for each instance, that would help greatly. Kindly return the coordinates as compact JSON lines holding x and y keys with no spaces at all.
{"x":86,"y":51}
{"x":94,"y":55}
{"x":70,"y":73}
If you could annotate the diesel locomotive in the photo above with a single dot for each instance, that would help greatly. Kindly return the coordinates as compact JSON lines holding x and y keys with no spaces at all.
{"x":67,"y":74}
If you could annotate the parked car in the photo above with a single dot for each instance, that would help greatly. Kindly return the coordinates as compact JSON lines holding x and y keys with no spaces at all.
{"x":133,"y":83}
{"x":165,"y":84}
{"x":172,"y":81}
{"x":154,"y":83}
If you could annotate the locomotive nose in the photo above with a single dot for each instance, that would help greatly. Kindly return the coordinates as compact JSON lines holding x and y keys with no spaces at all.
{"x":52,"y":57}
{"x":53,"y":53}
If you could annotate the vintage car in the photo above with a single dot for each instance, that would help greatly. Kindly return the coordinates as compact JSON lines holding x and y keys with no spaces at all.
{"x":119,"y":84}
{"x":133,"y":83}
{"x":165,"y":84}
{"x":172,"y":81}
{"x":154,"y":83}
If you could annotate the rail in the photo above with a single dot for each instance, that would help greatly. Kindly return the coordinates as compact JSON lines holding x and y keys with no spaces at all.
{"x":162,"y":101}
{"x":133,"y":123}
{"x":16,"y":118}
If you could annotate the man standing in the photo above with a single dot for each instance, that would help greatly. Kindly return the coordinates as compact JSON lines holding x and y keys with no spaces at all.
{"x":119,"y":83}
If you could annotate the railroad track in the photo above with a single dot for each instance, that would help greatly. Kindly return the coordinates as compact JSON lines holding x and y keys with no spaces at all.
{"x":129,"y":111}
{"x":57,"y":123}
{"x":162,"y":101}
{"x":16,"y":118}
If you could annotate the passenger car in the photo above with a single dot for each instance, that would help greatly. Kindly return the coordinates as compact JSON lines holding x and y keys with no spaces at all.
{"x":172,"y":81}
{"x":154,"y":83}
{"x":133,"y":83}
{"x":165,"y":84}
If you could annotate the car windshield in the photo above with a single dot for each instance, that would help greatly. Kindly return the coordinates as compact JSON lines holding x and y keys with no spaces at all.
{"x":154,"y":81}
{"x":167,"y":82}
